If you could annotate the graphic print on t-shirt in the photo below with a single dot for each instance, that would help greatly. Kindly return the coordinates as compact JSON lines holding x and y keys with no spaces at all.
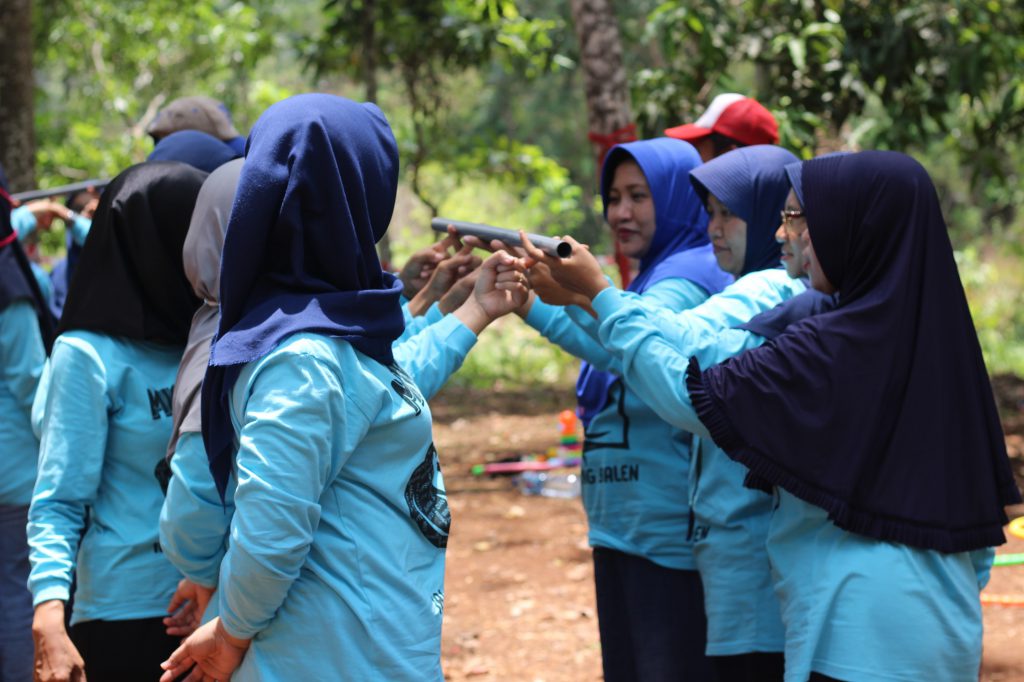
{"x":406,"y":388}
{"x":427,"y":500}
{"x":607,"y":430}
{"x":160,"y":402}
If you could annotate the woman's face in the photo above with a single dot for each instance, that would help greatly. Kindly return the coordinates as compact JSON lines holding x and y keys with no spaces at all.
{"x":810,"y":263}
{"x":728,"y":235}
{"x":631,"y":210}
{"x":792,"y":234}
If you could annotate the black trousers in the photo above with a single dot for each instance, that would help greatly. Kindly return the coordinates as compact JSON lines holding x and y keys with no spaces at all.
{"x":753,"y":667}
{"x":651,"y":620}
{"x":123,"y":650}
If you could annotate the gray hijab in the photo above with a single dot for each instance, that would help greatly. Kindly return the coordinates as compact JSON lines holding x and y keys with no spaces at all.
{"x":201,"y":256}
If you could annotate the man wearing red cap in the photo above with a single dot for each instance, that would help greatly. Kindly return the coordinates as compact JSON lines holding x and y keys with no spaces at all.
{"x":731,"y":121}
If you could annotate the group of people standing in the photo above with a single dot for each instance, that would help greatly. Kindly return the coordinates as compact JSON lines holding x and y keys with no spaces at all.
{"x":222,"y":452}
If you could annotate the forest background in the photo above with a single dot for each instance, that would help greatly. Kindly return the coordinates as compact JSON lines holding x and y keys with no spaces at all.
{"x":492,"y":102}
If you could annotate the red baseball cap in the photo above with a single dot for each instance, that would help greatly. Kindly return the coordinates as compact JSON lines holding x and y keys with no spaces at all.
{"x":733,"y":115}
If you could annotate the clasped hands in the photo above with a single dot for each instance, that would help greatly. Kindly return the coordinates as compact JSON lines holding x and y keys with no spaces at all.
{"x":557,"y":281}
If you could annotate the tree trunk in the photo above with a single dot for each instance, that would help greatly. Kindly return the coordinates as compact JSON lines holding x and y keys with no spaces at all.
{"x":606,"y":86}
{"x":604,"y":76}
{"x":17,"y":92}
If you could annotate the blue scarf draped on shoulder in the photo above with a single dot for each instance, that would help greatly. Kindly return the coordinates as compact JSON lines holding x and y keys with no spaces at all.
{"x":679,"y":249}
{"x":316,"y":194}
{"x":880,"y":411}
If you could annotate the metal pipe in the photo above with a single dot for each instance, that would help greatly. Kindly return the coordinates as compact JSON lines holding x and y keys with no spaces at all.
{"x":34,"y":194}
{"x":549,"y":245}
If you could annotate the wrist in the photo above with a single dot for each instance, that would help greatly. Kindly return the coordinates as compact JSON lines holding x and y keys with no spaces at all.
{"x":236,"y":642}
{"x":523,"y":311}
{"x":473,"y":315}
{"x":48,"y":616}
{"x":594,"y":288}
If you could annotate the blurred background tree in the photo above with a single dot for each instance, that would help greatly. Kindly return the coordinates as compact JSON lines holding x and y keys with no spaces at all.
{"x":488,"y":98}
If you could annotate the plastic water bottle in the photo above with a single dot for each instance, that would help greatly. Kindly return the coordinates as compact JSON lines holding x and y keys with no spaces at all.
{"x":548,"y":484}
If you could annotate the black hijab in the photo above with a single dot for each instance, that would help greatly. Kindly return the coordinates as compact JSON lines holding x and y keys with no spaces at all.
{"x":130,"y":281}
{"x":16,"y":279}
{"x":880,"y":411}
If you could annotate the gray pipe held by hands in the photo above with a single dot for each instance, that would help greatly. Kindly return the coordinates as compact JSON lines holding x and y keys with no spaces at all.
{"x":549,"y":245}
{"x":97,"y":184}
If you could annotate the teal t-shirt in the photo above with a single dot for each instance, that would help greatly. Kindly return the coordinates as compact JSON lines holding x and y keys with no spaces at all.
{"x":863,"y":610}
{"x":728,"y":522}
{"x":22,"y":357}
{"x":106,"y":419}
{"x":335,"y":564}
{"x":194,"y":522}
{"x":635,"y":465}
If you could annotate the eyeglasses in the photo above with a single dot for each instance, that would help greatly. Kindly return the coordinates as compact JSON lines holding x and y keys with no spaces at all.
{"x":788,"y":216}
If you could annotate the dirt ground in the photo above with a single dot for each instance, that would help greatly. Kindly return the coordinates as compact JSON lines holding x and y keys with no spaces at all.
{"x":519,"y":603}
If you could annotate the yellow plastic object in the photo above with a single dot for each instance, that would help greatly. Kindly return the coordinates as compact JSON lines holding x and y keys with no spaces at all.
{"x":1017,"y":527}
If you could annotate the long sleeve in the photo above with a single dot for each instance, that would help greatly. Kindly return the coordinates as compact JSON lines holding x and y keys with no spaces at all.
{"x":433,"y":354}
{"x":21,"y":353}
{"x":80,"y":227}
{"x":575,"y":331}
{"x":288,"y":425}
{"x":655,"y":348}
{"x":23,"y":222}
{"x":414,"y":324}
{"x":74,"y":436}
{"x":736,"y":304}
{"x":194,"y":525}
{"x":655,"y":366}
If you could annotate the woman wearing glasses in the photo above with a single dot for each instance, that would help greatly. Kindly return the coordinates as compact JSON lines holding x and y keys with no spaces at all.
{"x":744,"y":191}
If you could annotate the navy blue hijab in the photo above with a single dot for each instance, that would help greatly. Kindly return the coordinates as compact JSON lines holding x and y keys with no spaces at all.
{"x":752,"y":183}
{"x":771,"y":323}
{"x":679,"y":248}
{"x":16,"y":279}
{"x":196,"y":148}
{"x":315,"y":195}
{"x":880,"y":411}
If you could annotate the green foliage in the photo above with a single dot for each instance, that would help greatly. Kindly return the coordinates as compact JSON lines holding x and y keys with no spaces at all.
{"x":881,"y":74}
{"x":995,"y":288}
{"x":109,"y":65}
{"x":487,"y":105}
{"x":510,"y":354}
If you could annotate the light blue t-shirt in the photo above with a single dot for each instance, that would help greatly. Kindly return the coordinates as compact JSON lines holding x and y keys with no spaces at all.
{"x":742,"y":616}
{"x":634,"y":468}
{"x":43,"y":281}
{"x":728,"y":522}
{"x":862,"y":610}
{"x":335,"y":564}
{"x":194,"y":523}
{"x":22,"y":357}
{"x":106,"y":418}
